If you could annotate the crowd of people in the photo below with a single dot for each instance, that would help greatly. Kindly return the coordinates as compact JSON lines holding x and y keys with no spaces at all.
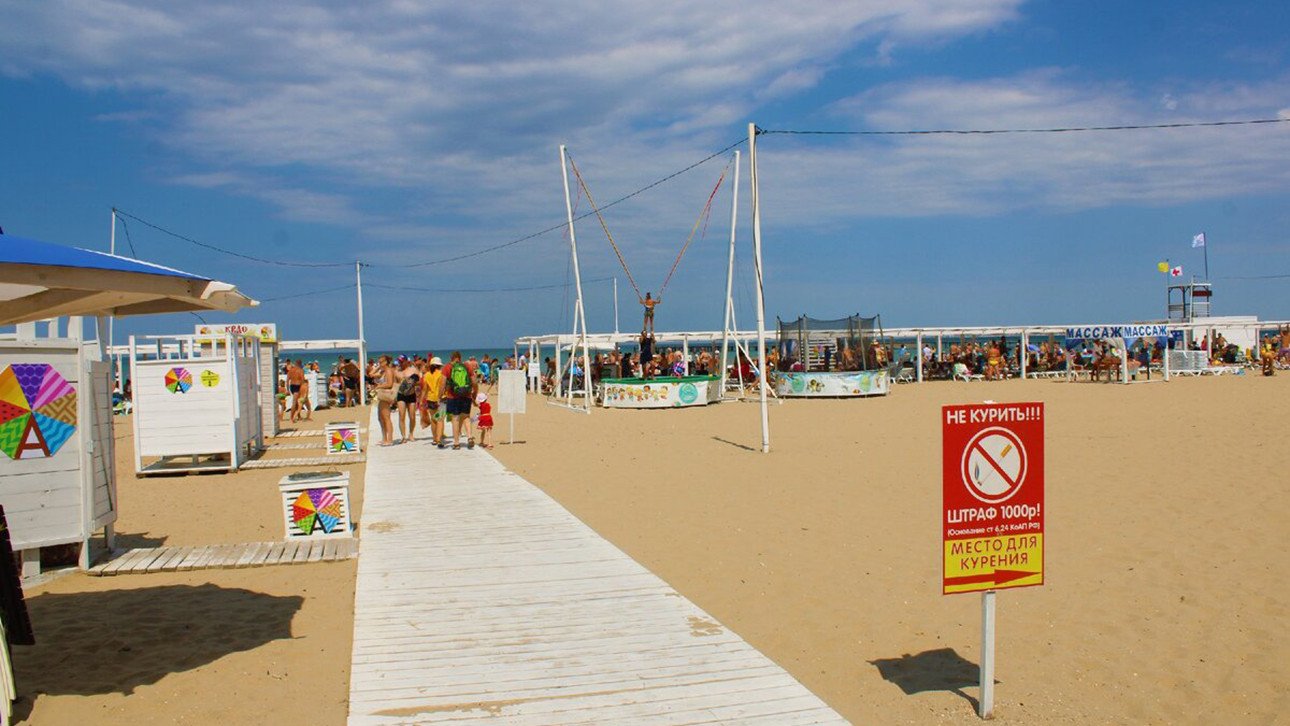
{"x":426,"y":392}
{"x":647,"y":362}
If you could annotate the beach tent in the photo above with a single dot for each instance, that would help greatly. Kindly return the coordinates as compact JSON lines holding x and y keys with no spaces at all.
{"x":39,"y":280}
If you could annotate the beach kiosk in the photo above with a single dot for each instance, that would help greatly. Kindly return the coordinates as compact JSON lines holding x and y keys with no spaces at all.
{"x":196,"y":402}
{"x":830,"y":359}
{"x":267,"y":334}
{"x":57,"y":482}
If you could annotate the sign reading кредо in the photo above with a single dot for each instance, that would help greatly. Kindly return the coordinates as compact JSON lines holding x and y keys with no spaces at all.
{"x":1097,"y":332}
{"x":993,"y":496}
{"x":266,"y":332}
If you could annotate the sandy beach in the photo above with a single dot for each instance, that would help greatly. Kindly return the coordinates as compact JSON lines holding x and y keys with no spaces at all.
{"x":1165,"y":600}
{"x":1166,"y":590}
{"x":206,"y":646}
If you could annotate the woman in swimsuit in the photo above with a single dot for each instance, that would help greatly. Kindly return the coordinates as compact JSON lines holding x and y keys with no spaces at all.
{"x":409,"y":380}
{"x":383,"y":374}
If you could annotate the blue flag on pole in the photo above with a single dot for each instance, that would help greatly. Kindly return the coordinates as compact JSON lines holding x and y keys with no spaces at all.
{"x":1198,"y":240}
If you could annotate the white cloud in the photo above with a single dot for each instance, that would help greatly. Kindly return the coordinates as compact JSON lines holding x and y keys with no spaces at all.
{"x":982,"y":175}
{"x":441,"y":97}
{"x":434,"y":126}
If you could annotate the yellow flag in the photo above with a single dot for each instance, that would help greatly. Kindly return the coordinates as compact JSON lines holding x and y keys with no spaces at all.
{"x":1162,"y":266}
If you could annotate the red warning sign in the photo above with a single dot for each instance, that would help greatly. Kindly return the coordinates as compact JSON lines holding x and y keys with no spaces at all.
{"x":992,"y":496}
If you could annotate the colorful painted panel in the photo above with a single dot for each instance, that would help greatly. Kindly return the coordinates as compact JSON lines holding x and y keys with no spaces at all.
{"x":848,"y":384}
{"x":37,"y":410}
{"x":316,"y":509}
{"x":343,"y":441}
{"x":342,"y":437}
{"x":315,"y":504}
{"x":178,"y":380}
{"x":659,"y":392}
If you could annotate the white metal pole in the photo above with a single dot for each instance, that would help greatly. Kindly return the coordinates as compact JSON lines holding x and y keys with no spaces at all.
{"x":558,"y":384}
{"x":918,"y":355}
{"x":615,"y":305}
{"x":987,"y":655}
{"x":761,"y":303}
{"x":111,"y":325}
{"x":362,"y":341}
{"x":730,"y":276}
{"x":579,"y":313}
{"x":1023,"y":355}
{"x":1164,"y":353}
{"x":1124,"y":361}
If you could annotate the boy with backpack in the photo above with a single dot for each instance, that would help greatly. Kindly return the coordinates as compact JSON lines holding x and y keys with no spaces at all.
{"x":458,"y":394}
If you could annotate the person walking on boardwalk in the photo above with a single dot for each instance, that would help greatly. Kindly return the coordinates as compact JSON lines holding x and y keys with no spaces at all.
{"x":306,"y":402}
{"x":295,"y":383}
{"x":649,"y":303}
{"x":385,"y":398}
{"x":459,"y":389}
{"x":432,"y":391}
{"x":409,"y":379}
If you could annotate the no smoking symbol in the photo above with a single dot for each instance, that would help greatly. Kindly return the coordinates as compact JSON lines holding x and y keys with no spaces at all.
{"x":994,"y":465}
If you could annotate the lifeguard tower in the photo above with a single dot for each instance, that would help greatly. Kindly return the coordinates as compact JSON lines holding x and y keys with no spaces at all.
{"x":1189,"y":300}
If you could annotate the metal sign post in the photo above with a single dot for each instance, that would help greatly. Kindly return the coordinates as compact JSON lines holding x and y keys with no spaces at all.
{"x":993,"y":510}
{"x":986,"y":705}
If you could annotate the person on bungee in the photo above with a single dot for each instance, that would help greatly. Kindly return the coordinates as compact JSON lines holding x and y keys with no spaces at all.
{"x":650,"y":304}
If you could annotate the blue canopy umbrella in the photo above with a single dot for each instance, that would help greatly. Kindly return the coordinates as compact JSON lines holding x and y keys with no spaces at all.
{"x":39,"y":280}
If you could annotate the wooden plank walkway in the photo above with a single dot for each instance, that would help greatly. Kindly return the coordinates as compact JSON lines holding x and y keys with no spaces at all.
{"x":206,"y":557}
{"x":298,"y":433}
{"x":324,"y":460}
{"x":479,"y":598}
{"x":295,"y":446}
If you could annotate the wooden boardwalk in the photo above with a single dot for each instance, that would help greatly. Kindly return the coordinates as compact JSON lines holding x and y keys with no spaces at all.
{"x":321,"y":460}
{"x":248,"y":554}
{"x":299,"y":433}
{"x":479,"y":598}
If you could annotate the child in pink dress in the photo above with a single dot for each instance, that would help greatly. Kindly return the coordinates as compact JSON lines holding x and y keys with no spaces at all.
{"x":485,"y":419}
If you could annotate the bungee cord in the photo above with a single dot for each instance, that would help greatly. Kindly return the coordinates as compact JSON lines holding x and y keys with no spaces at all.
{"x":700,"y":223}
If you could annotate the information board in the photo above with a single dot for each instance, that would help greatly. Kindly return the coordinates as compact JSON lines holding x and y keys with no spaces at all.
{"x":992,"y":496}
{"x":510,"y":392}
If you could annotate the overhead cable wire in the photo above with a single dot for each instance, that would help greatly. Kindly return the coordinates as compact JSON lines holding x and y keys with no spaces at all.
{"x":1257,"y":277}
{"x":561,"y":225}
{"x":215,"y":248}
{"x":704,"y":215}
{"x":479,"y":290}
{"x":350,"y":286}
{"x":603,"y":225}
{"x":128,"y":239}
{"x":443,"y":260}
{"x":1054,"y":130}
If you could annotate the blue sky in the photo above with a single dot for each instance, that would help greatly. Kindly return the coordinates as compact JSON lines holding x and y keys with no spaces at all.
{"x":405,"y":132}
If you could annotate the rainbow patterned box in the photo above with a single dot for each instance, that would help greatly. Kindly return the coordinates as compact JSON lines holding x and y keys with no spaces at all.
{"x":315,"y":504}
{"x":342,"y":437}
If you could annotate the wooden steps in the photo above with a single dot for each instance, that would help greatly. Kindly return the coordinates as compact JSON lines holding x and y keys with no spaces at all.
{"x":227,"y":556}
{"x":300,"y":433}
{"x":324,"y":460}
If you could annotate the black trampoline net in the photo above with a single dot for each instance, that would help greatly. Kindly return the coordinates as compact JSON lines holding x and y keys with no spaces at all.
{"x":845,"y":344}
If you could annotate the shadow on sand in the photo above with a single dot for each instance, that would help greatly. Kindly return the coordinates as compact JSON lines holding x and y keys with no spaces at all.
{"x":115,"y":641}
{"x":942,"y":669}
{"x":737,"y":445}
{"x":136,"y":541}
